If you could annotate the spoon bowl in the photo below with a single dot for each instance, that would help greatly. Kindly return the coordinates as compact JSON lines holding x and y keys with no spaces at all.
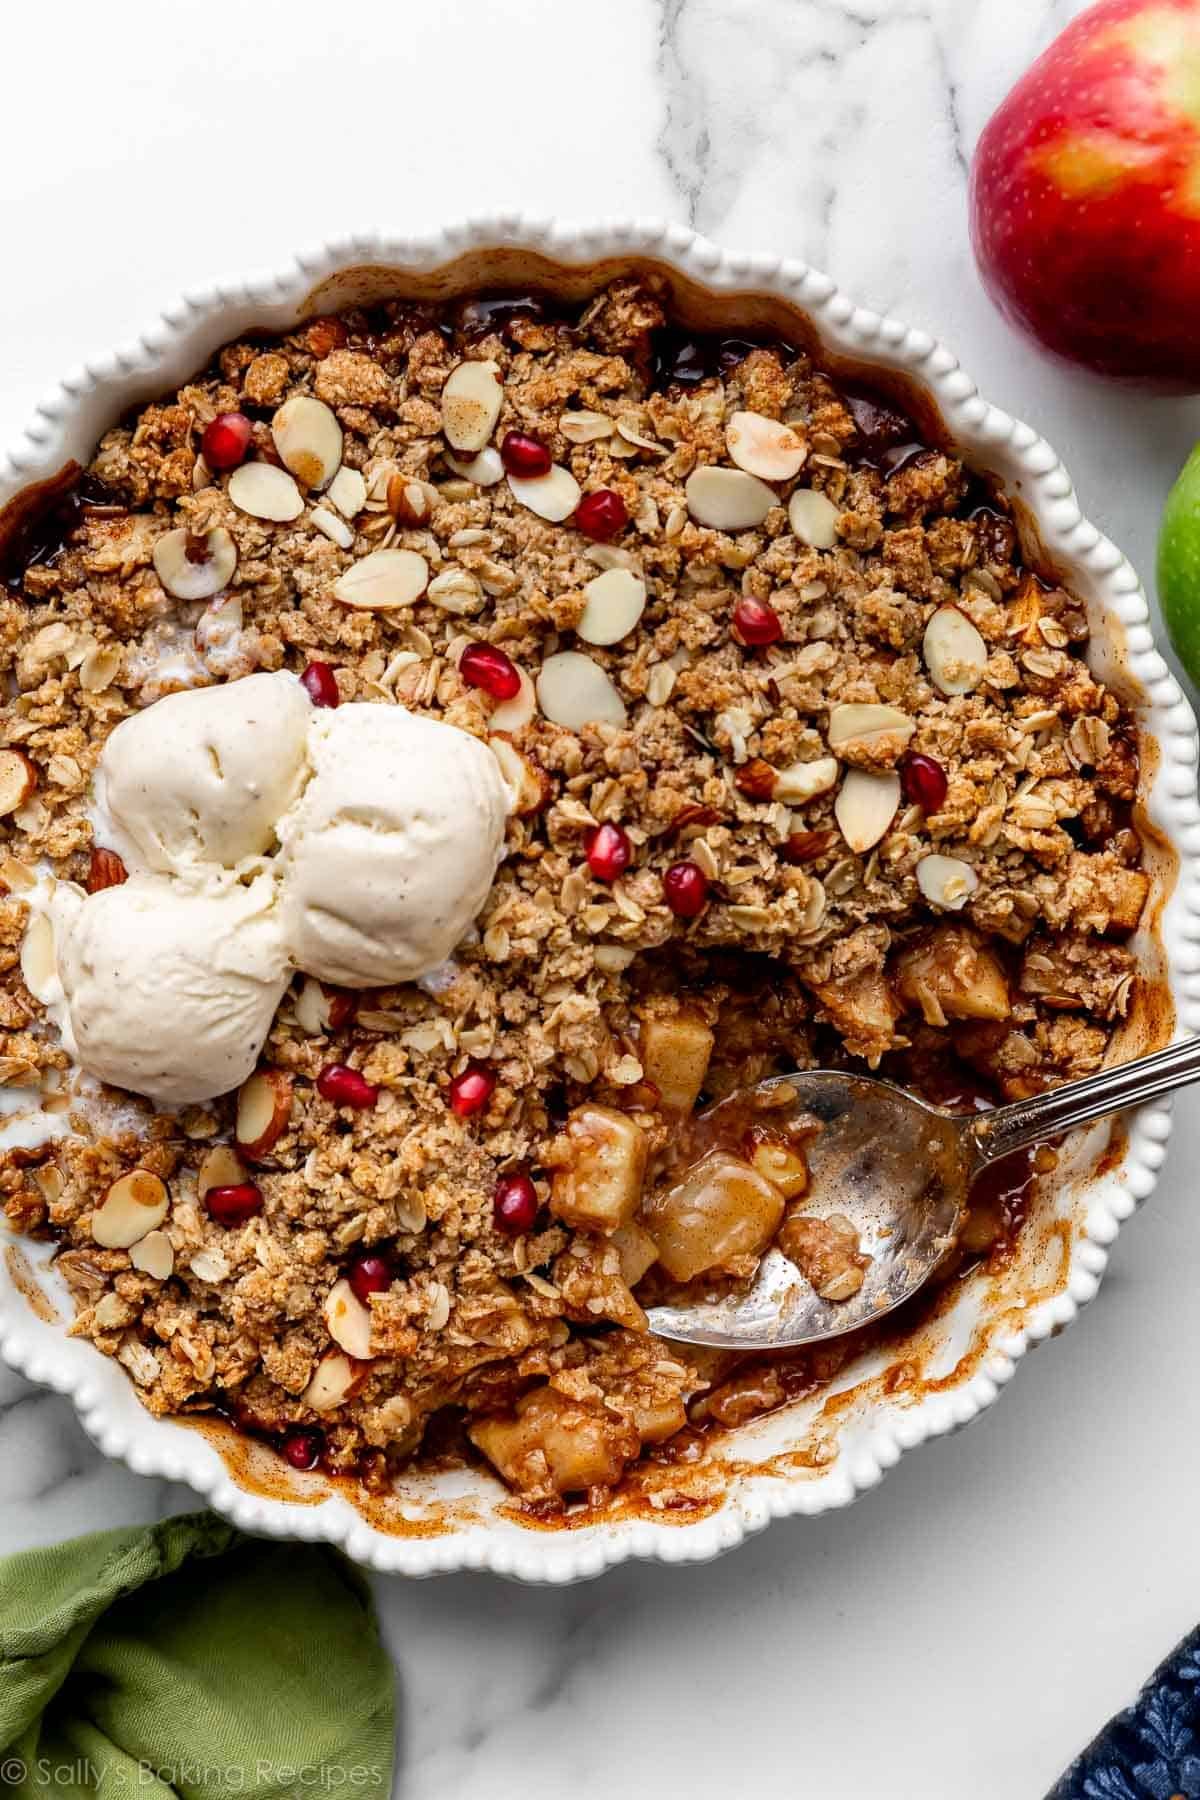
{"x":899,"y":1169}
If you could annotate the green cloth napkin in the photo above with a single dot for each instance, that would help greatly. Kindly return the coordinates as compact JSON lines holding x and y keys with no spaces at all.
{"x":187,"y":1659}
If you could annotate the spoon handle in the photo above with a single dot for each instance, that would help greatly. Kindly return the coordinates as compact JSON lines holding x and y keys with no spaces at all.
{"x":1026,"y":1122}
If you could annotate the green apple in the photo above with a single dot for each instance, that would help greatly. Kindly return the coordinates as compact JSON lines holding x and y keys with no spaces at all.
{"x":1179,"y":565}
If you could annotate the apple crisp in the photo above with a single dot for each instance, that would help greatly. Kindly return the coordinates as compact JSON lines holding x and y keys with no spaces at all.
{"x":807,"y":767}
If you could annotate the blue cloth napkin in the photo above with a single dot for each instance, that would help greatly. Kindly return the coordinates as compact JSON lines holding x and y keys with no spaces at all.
{"x":1151,"y":1751}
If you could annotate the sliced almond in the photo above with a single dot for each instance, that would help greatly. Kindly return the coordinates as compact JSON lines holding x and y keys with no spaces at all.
{"x":220,"y":1167}
{"x":348,"y":1321}
{"x":348,"y":491}
{"x":308,"y":439}
{"x":319,"y":1010}
{"x":515,"y":714}
{"x":265,"y":492}
{"x":728,"y":499}
{"x":586,"y":427}
{"x":574,"y":691}
{"x":865,"y":807}
{"x":18,"y":779}
{"x":209,"y":1264}
{"x":17,"y":876}
{"x":620,"y":446}
{"x":154,"y":1255}
{"x":411,"y":501}
{"x":383,"y":580}
{"x":612,"y":556}
{"x":332,"y":1382}
{"x":946,"y":881}
{"x":614,"y":957}
{"x":105,"y":869}
{"x":471,"y":402}
{"x":110,"y":1312}
{"x":955,"y":654}
{"x":630,"y":429}
{"x":195,"y":568}
{"x":802,"y":781}
{"x":613,"y":604}
{"x":527,"y":782}
{"x":135,"y":1205}
{"x":332,"y":526}
{"x":263,"y":1110}
{"x":485,"y":470}
{"x":660,"y":683}
{"x":874,"y":734}
{"x":813,"y":518}
{"x":553,"y":496}
{"x":99,"y":667}
{"x":456,"y":590}
{"x":48,"y":1180}
{"x":39,"y":965}
{"x":764,"y":446}
{"x":756,"y":779}
{"x":53,"y":640}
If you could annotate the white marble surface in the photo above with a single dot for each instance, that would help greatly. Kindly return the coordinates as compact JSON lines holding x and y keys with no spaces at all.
{"x":965,"y":1628}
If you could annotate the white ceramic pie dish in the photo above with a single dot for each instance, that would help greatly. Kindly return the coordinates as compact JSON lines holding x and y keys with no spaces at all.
{"x":817,"y":1453}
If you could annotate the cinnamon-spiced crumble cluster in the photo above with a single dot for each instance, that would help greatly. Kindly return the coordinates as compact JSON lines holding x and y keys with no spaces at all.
{"x":806,"y":767}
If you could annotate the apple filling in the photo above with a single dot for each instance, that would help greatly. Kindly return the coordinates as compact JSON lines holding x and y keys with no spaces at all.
{"x":804,"y":765}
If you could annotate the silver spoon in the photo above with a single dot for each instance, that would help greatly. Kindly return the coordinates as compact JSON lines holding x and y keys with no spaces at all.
{"x":899,"y":1170}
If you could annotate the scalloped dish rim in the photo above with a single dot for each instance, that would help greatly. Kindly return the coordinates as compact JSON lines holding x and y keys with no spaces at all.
{"x":796,"y":1460}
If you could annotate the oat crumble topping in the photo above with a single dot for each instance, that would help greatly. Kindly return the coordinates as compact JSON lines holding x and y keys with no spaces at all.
{"x":768,"y":667}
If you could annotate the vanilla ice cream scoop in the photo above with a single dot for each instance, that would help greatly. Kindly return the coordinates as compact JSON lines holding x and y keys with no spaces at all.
{"x":202,"y":776}
{"x":392,"y":847}
{"x":169,"y":987}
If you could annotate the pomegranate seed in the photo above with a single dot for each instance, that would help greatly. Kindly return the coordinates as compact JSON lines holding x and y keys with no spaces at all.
{"x":524,"y":455}
{"x":320,"y":684}
{"x":685,"y":889}
{"x":235,"y":1204}
{"x":514,"y":1205}
{"x":609,"y":851}
{"x":226,"y":440}
{"x":924,"y":782}
{"x":346,"y":1087}
{"x":757,"y":623}
{"x":483,"y":666}
{"x":601,"y":515}
{"x":303,"y":1449}
{"x":370,"y":1275}
{"x":471,"y":1091}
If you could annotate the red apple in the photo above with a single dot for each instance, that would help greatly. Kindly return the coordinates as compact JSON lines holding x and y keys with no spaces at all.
{"x":1085,"y":193}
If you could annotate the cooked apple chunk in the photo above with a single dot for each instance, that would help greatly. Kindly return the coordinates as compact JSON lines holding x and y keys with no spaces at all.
{"x":599,"y":1165}
{"x":637,"y":1251}
{"x":550,"y":1444}
{"x":778,"y":1161}
{"x":950,"y":974}
{"x":675,"y":1053}
{"x":722,"y":1211}
{"x":656,"y":1420}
